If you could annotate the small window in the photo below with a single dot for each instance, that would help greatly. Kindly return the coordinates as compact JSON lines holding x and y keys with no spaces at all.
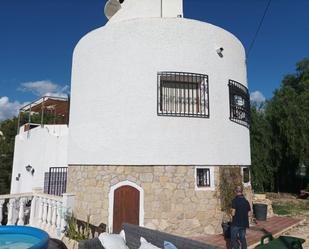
{"x":203,"y":177}
{"x":239,"y":103}
{"x":245,"y":172}
{"x":55,"y":181}
{"x":183,"y":94}
{"x":246,"y":175}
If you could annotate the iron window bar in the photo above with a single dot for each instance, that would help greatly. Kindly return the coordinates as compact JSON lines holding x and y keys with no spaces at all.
{"x":246,"y":175}
{"x":203,"y":177}
{"x":182,"y":94}
{"x":239,"y":103}
{"x":56,"y":181}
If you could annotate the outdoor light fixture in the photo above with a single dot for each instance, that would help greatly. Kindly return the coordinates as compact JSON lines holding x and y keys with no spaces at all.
{"x":28,"y":167}
{"x":17,"y":177}
{"x":219,"y":51}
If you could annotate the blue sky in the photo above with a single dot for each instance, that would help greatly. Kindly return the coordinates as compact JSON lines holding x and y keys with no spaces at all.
{"x":37,"y":38}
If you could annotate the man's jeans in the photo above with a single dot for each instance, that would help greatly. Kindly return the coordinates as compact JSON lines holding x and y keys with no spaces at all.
{"x":238,"y":232}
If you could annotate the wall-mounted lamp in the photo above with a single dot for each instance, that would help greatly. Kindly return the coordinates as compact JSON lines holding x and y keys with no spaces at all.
{"x":30,"y":169}
{"x":17,"y":177}
{"x":219,"y":51}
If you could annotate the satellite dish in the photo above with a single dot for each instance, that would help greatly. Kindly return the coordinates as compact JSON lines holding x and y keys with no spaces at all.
{"x":111,"y":8}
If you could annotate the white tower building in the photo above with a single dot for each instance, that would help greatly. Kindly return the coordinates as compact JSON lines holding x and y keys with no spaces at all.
{"x":159,"y":105}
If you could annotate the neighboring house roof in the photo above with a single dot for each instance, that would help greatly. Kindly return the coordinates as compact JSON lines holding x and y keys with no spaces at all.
{"x":60,"y":105}
{"x":57,"y":107}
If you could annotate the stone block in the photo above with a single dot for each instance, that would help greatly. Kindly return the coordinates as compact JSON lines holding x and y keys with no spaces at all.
{"x":146,"y":177}
{"x":164,"y":179}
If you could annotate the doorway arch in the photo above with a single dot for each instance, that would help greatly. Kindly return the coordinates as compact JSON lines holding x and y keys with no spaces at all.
{"x":130,"y":187}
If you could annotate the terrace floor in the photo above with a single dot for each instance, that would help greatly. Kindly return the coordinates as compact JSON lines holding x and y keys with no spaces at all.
{"x":274,"y":225}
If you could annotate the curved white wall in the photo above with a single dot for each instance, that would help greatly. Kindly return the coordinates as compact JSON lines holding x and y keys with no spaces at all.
{"x":113,"y":118}
{"x":42,"y":148}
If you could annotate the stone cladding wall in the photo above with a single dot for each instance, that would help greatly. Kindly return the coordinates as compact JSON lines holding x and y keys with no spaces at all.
{"x":171,"y":202}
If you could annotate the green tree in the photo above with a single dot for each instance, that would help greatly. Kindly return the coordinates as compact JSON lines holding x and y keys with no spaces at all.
{"x":288,"y":116}
{"x":8,"y":130}
{"x":261,"y":167}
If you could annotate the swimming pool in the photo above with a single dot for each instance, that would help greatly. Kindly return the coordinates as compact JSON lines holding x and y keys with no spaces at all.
{"x":22,"y":237}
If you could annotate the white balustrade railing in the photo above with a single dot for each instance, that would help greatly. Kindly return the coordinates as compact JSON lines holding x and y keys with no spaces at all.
{"x":45,"y":211}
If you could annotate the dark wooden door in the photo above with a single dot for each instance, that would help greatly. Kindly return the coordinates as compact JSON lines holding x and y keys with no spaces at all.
{"x":126,"y":207}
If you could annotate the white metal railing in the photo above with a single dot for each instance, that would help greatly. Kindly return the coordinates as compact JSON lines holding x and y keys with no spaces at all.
{"x":36,"y":209}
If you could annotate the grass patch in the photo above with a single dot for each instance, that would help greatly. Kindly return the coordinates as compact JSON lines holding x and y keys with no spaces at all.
{"x":290,"y":209}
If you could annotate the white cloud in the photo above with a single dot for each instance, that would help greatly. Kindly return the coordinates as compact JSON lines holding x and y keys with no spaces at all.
{"x":44,"y":88}
{"x":9,"y":109}
{"x":257,"y":98}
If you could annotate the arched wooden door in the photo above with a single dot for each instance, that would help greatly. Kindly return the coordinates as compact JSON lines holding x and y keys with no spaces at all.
{"x":126,"y":207}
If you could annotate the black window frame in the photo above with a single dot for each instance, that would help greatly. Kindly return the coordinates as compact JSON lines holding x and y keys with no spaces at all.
{"x":55,"y":180}
{"x":198,"y":180}
{"x":200,"y":109}
{"x":239,"y":113}
{"x":245,"y":175}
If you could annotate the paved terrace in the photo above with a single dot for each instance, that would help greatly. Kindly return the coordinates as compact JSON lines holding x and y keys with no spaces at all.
{"x":275,"y":225}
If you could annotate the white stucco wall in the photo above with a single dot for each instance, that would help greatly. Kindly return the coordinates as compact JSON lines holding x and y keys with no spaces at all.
{"x":172,"y":8}
{"x":41,"y":148}
{"x":113,"y":116}
{"x":132,"y":9}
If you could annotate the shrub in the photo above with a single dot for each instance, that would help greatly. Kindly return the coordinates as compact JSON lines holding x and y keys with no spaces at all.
{"x":72,"y":231}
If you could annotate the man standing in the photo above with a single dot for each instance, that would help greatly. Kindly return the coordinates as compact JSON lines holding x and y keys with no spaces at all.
{"x":240,"y":221}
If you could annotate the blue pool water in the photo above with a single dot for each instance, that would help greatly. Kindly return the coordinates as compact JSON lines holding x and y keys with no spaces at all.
{"x":21,"y":237}
{"x":20,"y":241}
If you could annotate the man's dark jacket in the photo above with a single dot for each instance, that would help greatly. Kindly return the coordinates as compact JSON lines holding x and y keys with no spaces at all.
{"x":242,"y":207}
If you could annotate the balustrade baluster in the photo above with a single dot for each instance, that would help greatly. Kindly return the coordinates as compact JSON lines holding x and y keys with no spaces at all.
{"x":54,"y":215}
{"x":10,"y":211}
{"x":33,"y":210}
{"x":49,"y":213}
{"x":63,"y":218}
{"x":58,"y":222}
{"x":1,"y":205}
{"x":41,"y":207}
{"x":45,"y":207}
{"x":21,"y":213}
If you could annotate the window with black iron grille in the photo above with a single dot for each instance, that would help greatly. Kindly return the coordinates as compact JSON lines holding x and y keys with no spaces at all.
{"x":55,"y":181}
{"x":239,"y":103}
{"x":245,"y":175}
{"x":203,"y":177}
{"x":183,"y":94}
